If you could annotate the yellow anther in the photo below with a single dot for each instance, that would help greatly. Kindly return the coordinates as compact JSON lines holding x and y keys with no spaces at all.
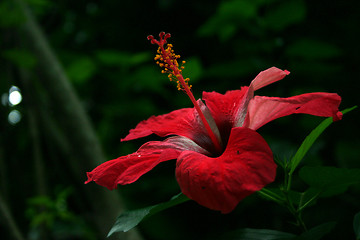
{"x":167,"y":59}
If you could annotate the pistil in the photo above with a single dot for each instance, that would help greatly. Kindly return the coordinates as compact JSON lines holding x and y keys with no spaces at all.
{"x":168,"y":59}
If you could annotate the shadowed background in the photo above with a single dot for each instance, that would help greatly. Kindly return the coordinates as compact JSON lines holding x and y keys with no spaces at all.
{"x":86,"y":75}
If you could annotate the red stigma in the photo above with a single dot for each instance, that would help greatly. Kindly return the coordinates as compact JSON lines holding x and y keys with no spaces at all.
{"x":162,"y":38}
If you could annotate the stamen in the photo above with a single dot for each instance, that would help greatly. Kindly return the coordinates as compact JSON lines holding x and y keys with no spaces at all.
{"x":167,"y":59}
{"x":171,"y":66}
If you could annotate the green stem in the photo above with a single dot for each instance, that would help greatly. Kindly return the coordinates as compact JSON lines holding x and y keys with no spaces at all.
{"x":271,"y":196}
{"x":308,"y":202}
{"x":288,"y":181}
{"x":285,"y":201}
{"x":290,"y":206}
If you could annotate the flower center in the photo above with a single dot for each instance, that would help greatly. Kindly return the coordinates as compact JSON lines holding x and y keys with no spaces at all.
{"x":167,"y":59}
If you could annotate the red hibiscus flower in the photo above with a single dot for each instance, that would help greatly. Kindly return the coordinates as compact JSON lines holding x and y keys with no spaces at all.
{"x":220,"y":157}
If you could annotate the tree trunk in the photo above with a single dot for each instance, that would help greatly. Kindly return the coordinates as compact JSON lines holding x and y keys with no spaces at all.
{"x":76,"y":126}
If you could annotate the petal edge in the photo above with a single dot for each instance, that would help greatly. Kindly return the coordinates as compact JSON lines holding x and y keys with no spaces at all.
{"x":262,"y":110}
{"x":220,"y":183}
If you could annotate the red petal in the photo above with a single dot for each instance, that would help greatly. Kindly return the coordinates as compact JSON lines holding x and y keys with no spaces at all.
{"x":229,"y":110}
{"x":202,"y":136}
{"x":183,"y":122}
{"x":262,"y":110}
{"x":220,"y":183}
{"x":267,"y":77}
{"x":161,"y":125}
{"x":128,"y":169}
{"x":223,"y":107}
{"x":263,"y":79}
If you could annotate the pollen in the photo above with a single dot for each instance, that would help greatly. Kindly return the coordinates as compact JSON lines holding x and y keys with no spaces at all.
{"x":168,"y":60}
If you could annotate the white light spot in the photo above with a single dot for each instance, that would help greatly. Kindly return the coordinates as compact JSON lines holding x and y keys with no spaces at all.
{"x":15,"y":98}
{"x":14,"y":117}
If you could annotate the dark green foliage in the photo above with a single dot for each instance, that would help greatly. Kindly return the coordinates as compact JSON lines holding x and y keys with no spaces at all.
{"x":315,"y":233}
{"x":257,"y":234}
{"x":329,"y":181}
{"x":131,"y":219}
{"x":103,"y":49}
{"x":357,"y":225}
{"x":309,"y":141}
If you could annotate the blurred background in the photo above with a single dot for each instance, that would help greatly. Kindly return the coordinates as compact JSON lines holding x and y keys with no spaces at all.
{"x":76,"y":76}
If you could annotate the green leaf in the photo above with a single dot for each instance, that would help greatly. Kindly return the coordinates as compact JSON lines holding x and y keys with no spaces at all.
{"x":306,"y":199}
{"x":229,"y":15}
{"x":300,"y":199}
{"x":140,"y":57}
{"x":285,"y":14}
{"x":19,"y":57}
{"x":39,"y":2}
{"x":147,"y":78}
{"x":330,"y":180}
{"x":272,"y":194}
{"x":312,"y":49}
{"x":356,"y":225}
{"x":258,"y":234}
{"x":193,"y":69}
{"x":303,"y":199}
{"x":10,"y":15}
{"x":118,"y":58}
{"x":130,"y":219}
{"x":317,"y":232}
{"x":307,"y":143}
{"x":230,"y":69}
{"x":227,"y":31}
{"x":237,"y":8}
{"x":81,"y":69}
{"x":310,"y":139}
{"x":112,"y":57}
